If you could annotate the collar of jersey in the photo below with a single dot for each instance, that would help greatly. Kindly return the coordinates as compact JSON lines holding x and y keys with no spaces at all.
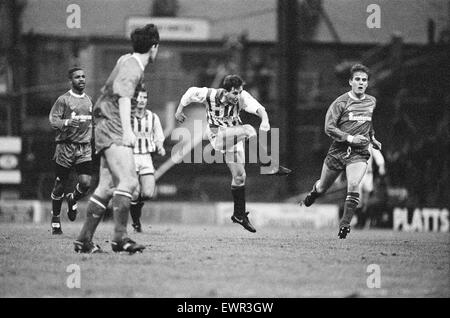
{"x":139,"y":61}
{"x":352,"y":96}
{"x":76,"y":95}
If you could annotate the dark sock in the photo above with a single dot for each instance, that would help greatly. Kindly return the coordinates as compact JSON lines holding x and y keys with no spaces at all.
{"x":351,"y":202}
{"x":56,"y":204}
{"x":136,"y":210}
{"x":238,"y":193}
{"x":95,"y":210}
{"x":78,"y":193}
{"x":121,"y":206}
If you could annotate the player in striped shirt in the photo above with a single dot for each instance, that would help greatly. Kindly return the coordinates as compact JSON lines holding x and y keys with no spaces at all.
{"x":149,"y":139}
{"x":349,"y":123}
{"x":71,"y":117}
{"x":227,"y":133}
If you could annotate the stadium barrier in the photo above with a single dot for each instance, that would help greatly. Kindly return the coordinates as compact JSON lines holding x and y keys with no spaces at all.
{"x":421,"y":220}
{"x":215,"y":213}
{"x":219,"y":213}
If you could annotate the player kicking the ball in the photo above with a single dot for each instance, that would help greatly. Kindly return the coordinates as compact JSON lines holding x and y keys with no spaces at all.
{"x":349,"y":123}
{"x":227,"y":133}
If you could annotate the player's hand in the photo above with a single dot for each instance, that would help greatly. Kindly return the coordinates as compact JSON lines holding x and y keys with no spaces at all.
{"x":74,"y":122}
{"x":359,"y":140}
{"x":180,"y":116}
{"x":128,"y":138}
{"x":376,"y":144}
{"x":161,"y":151}
{"x":264,"y":126}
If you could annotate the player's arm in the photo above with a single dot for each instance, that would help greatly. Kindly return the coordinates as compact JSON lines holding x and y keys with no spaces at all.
{"x":124,"y":85}
{"x":331,"y":127}
{"x":56,"y":116}
{"x":192,"y":95}
{"x":158,"y":135}
{"x":252,"y":106}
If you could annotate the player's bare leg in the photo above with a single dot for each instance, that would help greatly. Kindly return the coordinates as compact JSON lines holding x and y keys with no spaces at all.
{"x":121,"y":164}
{"x":355,"y":172}
{"x":327,"y":178}
{"x":273,"y":167}
{"x":236,"y":163}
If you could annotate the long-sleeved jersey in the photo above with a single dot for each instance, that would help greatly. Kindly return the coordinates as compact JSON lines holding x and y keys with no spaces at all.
{"x":69,"y":106}
{"x":125,"y":79}
{"x":148,"y":131}
{"x":348,"y":115}
{"x":219,"y":113}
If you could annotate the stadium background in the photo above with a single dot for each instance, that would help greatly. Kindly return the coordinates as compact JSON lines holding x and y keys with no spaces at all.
{"x":294,"y":56}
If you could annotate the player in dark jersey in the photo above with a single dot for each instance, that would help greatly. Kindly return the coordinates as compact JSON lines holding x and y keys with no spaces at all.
{"x":349,"y":123}
{"x":227,"y":133}
{"x":71,"y":118}
{"x":114,"y":140}
{"x":149,"y":140}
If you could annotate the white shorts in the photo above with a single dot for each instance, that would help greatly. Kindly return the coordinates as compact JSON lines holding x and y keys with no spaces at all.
{"x":212,"y":136}
{"x":144,"y":164}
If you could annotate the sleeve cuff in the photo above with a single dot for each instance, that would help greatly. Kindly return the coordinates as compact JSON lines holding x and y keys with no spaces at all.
{"x":350,"y":138}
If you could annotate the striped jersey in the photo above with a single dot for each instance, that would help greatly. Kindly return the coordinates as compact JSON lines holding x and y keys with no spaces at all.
{"x":148,"y":131}
{"x":69,"y":106}
{"x":219,"y":112}
{"x":348,"y":115}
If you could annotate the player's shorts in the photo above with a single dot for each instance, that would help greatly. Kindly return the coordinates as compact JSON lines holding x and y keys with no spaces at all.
{"x":213,"y":132}
{"x":69,"y":155}
{"x":107,"y":132}
{"x":82,"y":168}
{"x":144,"y":164}
{"x":341,"y":156}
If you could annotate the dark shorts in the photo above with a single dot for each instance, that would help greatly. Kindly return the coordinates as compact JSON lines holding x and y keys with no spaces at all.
{"x":69,"y":155}
{"x":81,"y":168}
{"x":340,"y":157}
{"x":107,"y":132}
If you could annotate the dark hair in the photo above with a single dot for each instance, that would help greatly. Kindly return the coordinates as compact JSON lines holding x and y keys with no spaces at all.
{"x":139,"y":88}
{"x":144,"y":38}
{"x":231,"y":81}
{"x":73,"y":70}
{"x":359,"y":68}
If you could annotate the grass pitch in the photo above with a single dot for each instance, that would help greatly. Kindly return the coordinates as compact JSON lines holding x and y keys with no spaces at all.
{"x":227,"y":261}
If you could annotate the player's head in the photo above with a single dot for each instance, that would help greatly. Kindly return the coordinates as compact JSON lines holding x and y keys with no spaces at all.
{"x":146,"y":40}
{"x":359,"y":79}
{"x":233,"y":85}
{"x":77,"y":79}
{"x":140,"y":97}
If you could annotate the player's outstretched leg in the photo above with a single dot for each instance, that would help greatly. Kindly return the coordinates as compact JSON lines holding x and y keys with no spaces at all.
{"x":311,"y":196}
